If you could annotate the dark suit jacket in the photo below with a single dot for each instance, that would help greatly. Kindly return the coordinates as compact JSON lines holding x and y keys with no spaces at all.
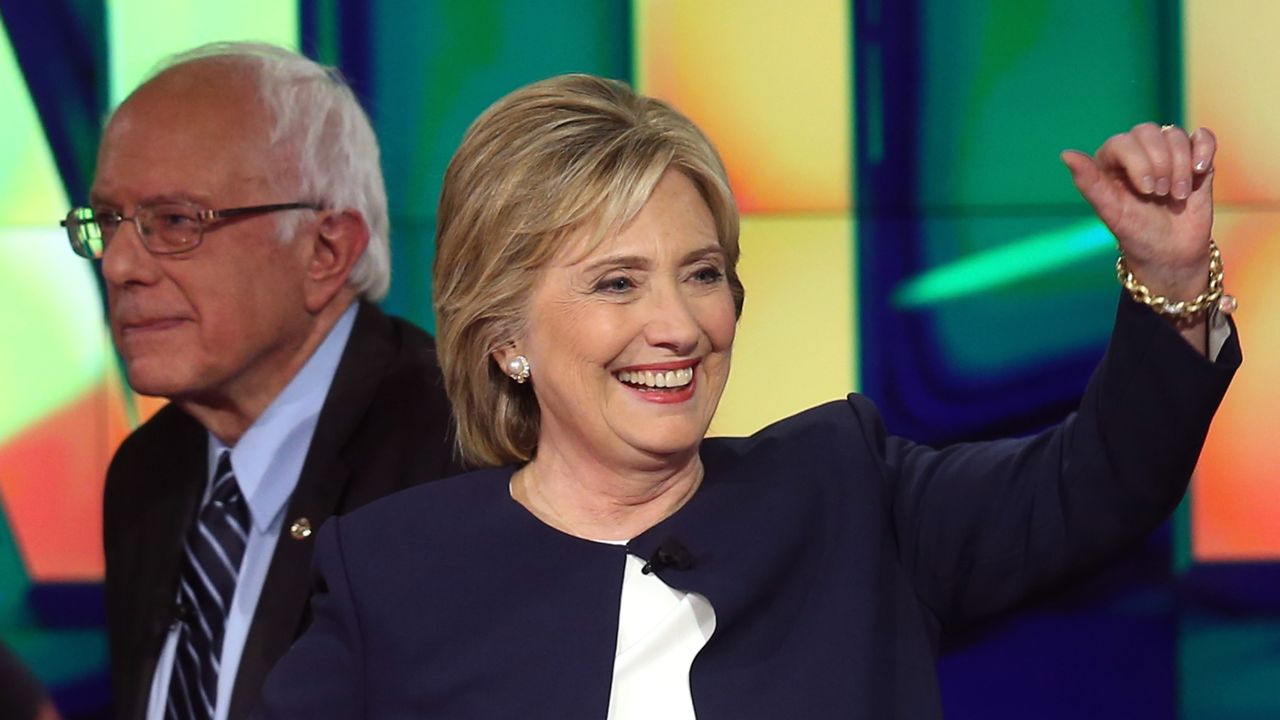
{"x":385,"y":425}
{"x":831,"y":552}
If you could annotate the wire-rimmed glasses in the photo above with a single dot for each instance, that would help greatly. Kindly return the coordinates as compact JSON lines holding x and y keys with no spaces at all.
{"x":165,"y":228}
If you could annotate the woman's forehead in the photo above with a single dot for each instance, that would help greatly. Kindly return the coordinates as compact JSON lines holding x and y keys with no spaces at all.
{"x":673,"y":220}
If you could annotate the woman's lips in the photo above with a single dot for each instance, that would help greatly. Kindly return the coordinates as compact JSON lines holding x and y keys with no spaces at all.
{"x":669,"y":382}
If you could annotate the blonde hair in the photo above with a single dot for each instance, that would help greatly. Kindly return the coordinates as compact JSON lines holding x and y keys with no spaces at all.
{"x":544,"y":162}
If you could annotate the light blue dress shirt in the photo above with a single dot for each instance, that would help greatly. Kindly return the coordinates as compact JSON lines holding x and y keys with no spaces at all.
{"x":267,"y":462}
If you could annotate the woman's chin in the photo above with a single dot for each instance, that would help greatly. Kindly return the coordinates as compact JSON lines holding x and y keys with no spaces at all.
{"x":677,"y":443}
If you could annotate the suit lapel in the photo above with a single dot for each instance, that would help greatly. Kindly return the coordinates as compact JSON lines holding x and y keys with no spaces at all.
{"x":318,"y":495}
{"x":181,"y":473}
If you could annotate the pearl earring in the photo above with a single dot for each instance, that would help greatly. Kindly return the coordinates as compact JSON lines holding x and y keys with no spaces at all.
{"x":518,"y":369}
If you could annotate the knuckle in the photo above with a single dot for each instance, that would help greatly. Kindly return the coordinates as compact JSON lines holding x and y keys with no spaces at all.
{"x":1116,"y":140}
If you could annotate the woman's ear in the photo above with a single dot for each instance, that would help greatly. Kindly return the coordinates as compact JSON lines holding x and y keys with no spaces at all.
{"x":337,"y":243}
{"x":503,"y":355}
{"x":512,"y":363}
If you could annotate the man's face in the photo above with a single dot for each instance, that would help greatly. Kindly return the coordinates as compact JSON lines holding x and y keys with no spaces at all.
{"x":220,"y":325}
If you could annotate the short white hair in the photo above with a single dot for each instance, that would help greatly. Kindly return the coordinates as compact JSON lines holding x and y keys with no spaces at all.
{"x":316,"y":120}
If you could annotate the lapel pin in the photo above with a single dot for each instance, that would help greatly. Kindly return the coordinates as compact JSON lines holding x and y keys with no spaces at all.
{"x":300,"y":529}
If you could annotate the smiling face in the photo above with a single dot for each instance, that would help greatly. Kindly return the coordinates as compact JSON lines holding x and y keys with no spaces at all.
{"x":629,"y":341}
{"x":221,"y":324}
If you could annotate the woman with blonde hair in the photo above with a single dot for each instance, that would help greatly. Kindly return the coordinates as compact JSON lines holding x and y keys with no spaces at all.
{"x":607,"y":561}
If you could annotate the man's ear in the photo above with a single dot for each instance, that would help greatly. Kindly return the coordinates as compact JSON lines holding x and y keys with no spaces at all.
{"x":339,"y":240}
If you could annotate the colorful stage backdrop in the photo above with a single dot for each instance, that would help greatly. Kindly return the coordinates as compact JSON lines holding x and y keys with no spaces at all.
{"x":908,"y":232}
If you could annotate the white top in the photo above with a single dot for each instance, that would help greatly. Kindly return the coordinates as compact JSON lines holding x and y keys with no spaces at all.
{"x":660,"y":631}
{"x":267,"y":462}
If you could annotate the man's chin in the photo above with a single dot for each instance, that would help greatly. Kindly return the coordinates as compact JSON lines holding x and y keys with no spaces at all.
{"x":153,"y":382}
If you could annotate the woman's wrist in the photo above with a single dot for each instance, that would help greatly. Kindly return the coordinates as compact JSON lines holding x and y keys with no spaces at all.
{"x":1183,"y":296}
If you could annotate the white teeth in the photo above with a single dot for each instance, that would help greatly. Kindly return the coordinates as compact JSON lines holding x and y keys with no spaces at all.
{"x":659,"y":379}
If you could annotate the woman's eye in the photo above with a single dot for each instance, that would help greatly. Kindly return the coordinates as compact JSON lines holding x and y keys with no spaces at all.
{"x":708,"y":275}
{"x":616,"y":284}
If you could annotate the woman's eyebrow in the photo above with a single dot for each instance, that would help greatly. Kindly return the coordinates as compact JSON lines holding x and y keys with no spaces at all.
{"x":703,"y":253}
{"x":628,"y":261}
{"x":643,"y":263}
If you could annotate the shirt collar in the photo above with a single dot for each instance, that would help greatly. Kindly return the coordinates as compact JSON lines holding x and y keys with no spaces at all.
{"x":275,"y":445}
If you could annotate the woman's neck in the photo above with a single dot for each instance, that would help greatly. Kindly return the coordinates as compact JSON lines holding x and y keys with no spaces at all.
{"x":595,"y":502}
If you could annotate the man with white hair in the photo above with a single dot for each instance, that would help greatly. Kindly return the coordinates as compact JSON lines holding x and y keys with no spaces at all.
{"x":241,"y":219}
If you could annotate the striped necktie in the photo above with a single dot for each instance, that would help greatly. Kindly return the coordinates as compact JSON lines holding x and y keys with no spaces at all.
{"x":207,"y":584}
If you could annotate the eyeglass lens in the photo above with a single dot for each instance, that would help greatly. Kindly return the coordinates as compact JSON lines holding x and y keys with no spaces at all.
{"x":163,"y":229}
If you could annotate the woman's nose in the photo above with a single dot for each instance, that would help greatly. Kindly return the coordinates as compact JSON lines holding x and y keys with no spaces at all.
{"x":672,"y":322}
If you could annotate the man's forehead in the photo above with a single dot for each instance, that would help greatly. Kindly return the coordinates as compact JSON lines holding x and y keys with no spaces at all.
{"x":225,"y":93}
{"x":188,"y":127}
{"x":232,"y":78}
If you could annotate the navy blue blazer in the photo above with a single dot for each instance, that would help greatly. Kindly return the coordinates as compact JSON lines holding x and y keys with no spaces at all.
{"x":832,"y":553}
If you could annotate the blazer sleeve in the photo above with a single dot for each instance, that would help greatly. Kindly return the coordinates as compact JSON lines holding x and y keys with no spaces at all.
{"x":322,"y":675}
{"x":981,"y":526}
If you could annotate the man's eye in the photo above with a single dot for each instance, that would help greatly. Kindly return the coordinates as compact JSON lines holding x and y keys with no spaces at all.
{"x":175,"y":221}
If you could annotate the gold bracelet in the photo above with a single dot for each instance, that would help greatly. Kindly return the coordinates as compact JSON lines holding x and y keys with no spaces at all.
{"x":1181,"y":312}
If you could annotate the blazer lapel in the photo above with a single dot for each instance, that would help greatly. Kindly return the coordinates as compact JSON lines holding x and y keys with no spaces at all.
{"x":318,"y":495}
{"x":285,"y":593}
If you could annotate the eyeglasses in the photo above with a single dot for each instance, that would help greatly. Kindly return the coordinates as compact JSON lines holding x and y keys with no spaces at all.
{"x":167,"y":228}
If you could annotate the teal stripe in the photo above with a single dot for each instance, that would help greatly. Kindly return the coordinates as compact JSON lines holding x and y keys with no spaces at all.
{"x":1030,"y":257}
{"x":58,"y":657}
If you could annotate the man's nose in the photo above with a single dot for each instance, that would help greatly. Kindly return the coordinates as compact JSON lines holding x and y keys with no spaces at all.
{"x":126,"y":260}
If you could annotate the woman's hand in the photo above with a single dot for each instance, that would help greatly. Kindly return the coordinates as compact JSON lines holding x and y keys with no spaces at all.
{"x":1153,"y":188}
